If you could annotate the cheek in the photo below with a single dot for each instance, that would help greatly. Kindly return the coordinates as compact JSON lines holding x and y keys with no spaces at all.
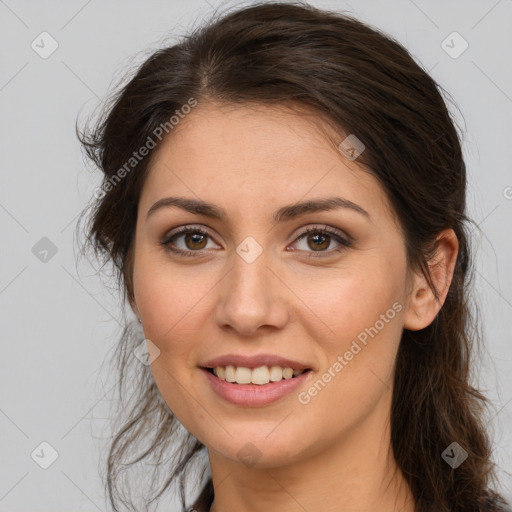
{"x":363,"y":311}
{"x":349,"y":301}
{"x":169,"y":297}
{"x":170,"y":305}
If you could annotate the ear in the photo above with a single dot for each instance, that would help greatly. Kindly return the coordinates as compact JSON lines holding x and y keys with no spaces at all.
{"x":422,"y":305}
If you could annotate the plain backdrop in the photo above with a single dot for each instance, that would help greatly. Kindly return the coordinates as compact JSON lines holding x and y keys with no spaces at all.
{"x":59,"y":321}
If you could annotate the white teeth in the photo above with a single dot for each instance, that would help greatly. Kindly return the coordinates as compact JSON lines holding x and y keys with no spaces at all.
{"x":229,"y":373}
{"x":287,"y":373}
{"x":276,"y":373}
{"x":260,"y":375}
{"x":243,"y":375}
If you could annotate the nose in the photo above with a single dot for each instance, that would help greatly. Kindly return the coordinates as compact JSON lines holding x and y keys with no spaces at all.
{"x":252,"y":297}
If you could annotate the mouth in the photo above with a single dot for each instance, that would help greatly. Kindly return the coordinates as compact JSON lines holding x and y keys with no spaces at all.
{"x":259,"y":376}
{"x":255,"y":387}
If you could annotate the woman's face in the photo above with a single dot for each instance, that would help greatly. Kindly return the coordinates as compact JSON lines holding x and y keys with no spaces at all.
{"x":257,"y":285}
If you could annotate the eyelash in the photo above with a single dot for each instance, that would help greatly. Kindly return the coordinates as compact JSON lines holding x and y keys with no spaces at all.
{"x":344,"y":243}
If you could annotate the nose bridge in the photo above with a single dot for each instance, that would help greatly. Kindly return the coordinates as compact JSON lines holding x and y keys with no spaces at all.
{"x":251,"y":295}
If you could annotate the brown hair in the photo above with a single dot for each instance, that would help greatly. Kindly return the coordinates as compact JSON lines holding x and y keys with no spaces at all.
{"x":365,"y":83}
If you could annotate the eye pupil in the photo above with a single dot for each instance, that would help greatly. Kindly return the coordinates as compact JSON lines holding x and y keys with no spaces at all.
{"x":323,"y":245}
{"x":194,"y":238}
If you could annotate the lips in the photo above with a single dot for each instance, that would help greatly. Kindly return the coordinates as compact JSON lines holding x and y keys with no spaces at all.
{"x":254,"y":362}
{"x":253,"y":395}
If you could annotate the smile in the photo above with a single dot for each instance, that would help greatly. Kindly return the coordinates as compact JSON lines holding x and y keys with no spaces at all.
{"x":260,"y":376}
{"x":249,"y":394}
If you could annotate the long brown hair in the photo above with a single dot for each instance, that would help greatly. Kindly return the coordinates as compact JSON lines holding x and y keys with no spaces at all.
{"x":363,"y":82}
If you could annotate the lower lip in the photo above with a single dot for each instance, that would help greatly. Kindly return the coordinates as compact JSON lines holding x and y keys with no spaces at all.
{"x":253,"y":395}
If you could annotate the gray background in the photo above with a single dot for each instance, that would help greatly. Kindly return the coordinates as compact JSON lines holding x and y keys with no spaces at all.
{"x":59,"y":321}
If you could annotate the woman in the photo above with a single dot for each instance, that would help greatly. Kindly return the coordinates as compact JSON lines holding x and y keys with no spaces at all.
{"x":284,"y":200}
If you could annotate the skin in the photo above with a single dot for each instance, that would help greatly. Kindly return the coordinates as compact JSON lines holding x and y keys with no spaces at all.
{"x":334,"y":450}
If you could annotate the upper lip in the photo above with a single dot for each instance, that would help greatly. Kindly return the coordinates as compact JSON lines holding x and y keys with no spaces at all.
{"x":254,"y":361}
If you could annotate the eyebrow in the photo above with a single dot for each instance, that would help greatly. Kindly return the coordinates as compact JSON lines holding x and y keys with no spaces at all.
{"x":285,"y":213}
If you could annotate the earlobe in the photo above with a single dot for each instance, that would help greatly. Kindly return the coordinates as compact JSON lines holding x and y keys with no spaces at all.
{"x":423,"y":305}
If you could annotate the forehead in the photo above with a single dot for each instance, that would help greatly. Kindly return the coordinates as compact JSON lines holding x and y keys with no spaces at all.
{"x":242,"y":156}
{"x":252,"y":133}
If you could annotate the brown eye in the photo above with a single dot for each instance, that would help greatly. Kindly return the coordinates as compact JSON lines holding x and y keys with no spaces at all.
{"x":187,"y":241}
{"x":194,"y":240}
{"x":318,"y":240}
